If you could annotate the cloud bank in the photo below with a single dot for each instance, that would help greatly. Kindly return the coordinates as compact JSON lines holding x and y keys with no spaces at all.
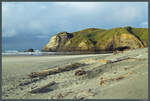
{"x":30,"y":23}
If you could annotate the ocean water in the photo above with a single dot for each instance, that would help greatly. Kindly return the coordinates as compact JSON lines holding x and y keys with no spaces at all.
{"x":40,"y":53}
{"x":19,"y":53}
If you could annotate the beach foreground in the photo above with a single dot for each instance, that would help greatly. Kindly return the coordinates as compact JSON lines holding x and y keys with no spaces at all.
{"x":107,"y":76}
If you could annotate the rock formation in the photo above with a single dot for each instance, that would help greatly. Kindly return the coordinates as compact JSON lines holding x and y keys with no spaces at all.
{"x":29,"y":50}
{"x":93,"y":39}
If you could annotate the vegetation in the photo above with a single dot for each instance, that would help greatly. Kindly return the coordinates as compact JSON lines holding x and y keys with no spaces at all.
{"x":101,"y":39}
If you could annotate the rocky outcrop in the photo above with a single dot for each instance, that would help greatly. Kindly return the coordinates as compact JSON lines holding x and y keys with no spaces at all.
{"x":57,"y":42}
{"x":97,"y":40}
{"x":29,"y":50}
{"x":123,"y":41}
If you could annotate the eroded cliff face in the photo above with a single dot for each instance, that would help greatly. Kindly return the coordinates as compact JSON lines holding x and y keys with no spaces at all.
{"x":124,"y":41}
{"x":58,"y":42}
{"x":128,"y":40}
{"x":53,"y":44}
{"x":91,"y":41}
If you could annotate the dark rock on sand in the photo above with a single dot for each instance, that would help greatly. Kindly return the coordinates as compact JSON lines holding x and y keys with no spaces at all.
{"x":29,"y":50}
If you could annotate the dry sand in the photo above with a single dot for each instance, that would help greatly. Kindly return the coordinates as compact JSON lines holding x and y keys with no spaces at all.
{"x":16,"y":84}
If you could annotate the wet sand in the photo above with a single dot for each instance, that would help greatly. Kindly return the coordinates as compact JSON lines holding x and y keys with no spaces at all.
{"x":15,"y":71}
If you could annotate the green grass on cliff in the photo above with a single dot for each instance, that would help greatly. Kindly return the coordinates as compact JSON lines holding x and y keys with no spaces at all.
{"x":142,"y":33}
{"x":101,"y":36}
{"x":85,"y":34}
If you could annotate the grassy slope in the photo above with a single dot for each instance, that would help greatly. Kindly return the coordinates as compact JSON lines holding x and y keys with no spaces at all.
{"x":142,"y":33}
{"x":101,"y":36}
{"x":85,"y":34}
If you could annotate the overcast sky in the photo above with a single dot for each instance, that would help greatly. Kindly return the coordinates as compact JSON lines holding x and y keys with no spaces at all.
{"x":31,"y":24}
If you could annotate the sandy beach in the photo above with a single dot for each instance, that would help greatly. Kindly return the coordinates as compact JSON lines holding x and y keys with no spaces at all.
{"x":124,"y":79}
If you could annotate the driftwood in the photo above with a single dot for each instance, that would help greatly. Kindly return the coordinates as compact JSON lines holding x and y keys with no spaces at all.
{"x":123,"y":76}
{"x":29,"y":81}
{"x":117,"y":60}
{"x":96,"y":71}
{"x":104,"y":61}
{"x":102,"y":81}
{"x":55,"y":70}
{"x":121,"y":59}
{"x":43,"y":88}
{"x":80,"y":72}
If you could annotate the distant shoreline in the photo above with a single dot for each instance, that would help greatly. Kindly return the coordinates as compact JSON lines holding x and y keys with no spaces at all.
{"x":52,"y":53}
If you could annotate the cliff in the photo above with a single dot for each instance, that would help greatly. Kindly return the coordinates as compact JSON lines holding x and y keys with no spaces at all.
{"x":93,"y":39}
